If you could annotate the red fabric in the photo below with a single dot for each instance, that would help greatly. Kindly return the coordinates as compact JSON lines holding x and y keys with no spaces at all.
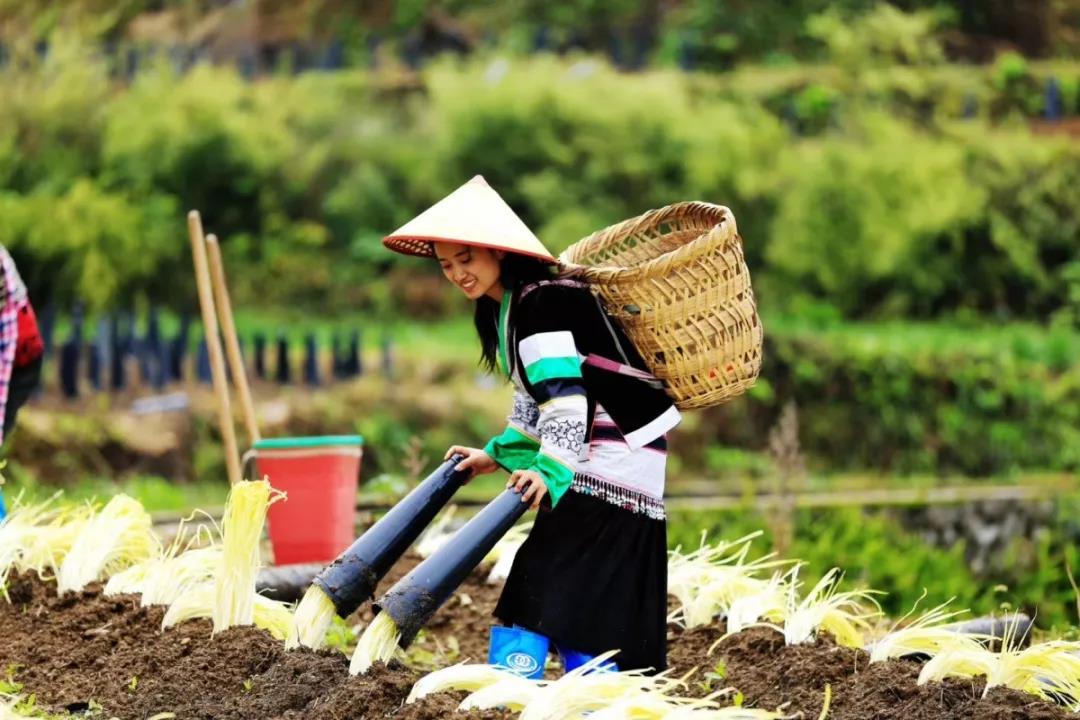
{"x":29,"y":346}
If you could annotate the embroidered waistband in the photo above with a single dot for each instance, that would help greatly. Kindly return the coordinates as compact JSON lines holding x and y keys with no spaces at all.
{"x":625,"y":498}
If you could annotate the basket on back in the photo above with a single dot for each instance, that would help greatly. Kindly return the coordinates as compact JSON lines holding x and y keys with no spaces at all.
{"x":676,"y":281}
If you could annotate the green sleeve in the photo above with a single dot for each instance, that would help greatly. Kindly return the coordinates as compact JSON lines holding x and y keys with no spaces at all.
{"x":557,"y":476}
{"x":514,"y":449}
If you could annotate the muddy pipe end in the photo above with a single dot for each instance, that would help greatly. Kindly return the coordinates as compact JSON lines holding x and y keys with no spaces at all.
{"x":351,"y":579}
{"x":414,"y":599}
{"x":410,"y":608}
{"x":349,"y":582}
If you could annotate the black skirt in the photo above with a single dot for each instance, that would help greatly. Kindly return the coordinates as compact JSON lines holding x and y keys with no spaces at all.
{"x":592,"y":577}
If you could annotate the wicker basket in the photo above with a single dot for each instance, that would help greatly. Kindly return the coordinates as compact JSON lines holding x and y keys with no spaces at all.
{"x":676,"y":281}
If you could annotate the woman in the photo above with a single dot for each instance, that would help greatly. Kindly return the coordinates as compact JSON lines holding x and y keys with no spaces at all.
{"x":585,"y":438}
{"x":21,"y":348}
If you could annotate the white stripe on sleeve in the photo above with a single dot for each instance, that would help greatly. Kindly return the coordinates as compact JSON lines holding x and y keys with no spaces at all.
{"x":547,"y":345}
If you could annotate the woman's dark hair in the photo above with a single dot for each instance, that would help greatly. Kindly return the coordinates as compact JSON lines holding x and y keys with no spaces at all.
{"x":517,"y":270}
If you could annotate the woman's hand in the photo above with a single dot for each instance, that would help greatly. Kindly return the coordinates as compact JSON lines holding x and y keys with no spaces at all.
{"x":531,"y":486}
{"x":476,"y":461}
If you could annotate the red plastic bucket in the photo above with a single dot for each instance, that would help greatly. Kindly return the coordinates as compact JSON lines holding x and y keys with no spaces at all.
{"x":320,"y":477}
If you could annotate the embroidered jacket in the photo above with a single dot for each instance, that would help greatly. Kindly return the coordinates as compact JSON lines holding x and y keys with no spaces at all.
{"x":546,"y":330}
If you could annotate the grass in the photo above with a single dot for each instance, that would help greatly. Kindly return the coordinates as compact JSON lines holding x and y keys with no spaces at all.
{"x":1055,"y":347}
{"x":455,"y":337}
{"x":155,"y":493}
{"x":447,"y":337}
{"x":159,"y":495}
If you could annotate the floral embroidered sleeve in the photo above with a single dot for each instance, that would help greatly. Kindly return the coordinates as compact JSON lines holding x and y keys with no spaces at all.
{"x":552,"y":365}
{"x":516,"y":447}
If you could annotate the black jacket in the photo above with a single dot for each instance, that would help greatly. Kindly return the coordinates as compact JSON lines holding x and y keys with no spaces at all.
{"x":641,"y":410}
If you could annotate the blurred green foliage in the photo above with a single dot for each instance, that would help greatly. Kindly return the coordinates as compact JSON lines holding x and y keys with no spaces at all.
{"x":862,"y":193}
{"x":847,"y":186}
{"x":709,"y":34}
{"x":912,"y":398}
{"x":874,"y":181}
{"x":157,"y":494}
{"x":898,"y":223}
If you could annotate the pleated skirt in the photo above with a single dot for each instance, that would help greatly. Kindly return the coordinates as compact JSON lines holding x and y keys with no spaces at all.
{"x":592,"y":577}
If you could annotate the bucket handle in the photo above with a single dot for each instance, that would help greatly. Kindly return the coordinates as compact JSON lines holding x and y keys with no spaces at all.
{"x":247,"y":462}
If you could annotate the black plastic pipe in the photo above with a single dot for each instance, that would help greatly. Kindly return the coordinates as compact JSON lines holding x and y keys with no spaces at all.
{"x":992,"y":632}
{"x":286,"y":583}
{"x":415,"y":598}
{"x":350,"y":580}
{"x":1017,"y":627}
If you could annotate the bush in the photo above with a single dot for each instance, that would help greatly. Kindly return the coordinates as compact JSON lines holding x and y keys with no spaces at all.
{"x":301,"y":176}
{"x":54,"y":110}
{"x":892,"y":222}
{"x":211,"y":146}
{"x":91,"y":244}
{"x":909,"y":399}
{"x":884,"y":35}
{"x":1018,"y":88}
{"x":576,"y":147}
{"x":1028,"y":231}
{"x":857,"y":211}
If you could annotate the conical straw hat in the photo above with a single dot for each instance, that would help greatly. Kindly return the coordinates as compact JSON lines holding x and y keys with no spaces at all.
{"x":474,"y":214}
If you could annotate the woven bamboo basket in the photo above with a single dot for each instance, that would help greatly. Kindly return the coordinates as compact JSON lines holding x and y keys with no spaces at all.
{"x":676,"y":280}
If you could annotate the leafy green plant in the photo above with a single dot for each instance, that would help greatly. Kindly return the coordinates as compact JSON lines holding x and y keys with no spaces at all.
{"x":718,"y":674}
{"x":341,"y":636}
{"x":9,"y":685}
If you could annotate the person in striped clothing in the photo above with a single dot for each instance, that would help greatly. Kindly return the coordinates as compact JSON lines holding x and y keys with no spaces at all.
{"x":21,"y":348}
{"x":585,"y":442}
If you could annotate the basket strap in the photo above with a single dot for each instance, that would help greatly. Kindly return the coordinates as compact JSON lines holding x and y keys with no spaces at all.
{"x":561,"y":282}
{"x":592,"y":359}
{"x":603,"y":363}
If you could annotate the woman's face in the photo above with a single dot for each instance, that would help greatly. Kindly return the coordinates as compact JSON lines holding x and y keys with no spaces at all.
{"x":474,"y":270}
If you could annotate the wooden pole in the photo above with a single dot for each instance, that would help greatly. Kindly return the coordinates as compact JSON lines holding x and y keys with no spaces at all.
{"x":213,"y":345}
{"x":232,"y":342}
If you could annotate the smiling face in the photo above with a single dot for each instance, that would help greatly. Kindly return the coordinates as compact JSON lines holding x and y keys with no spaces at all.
{"x":475,"y":271}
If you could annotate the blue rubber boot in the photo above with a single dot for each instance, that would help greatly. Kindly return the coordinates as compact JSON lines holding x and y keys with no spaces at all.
{"x":518,"y":650}
{"x":572,"y":660}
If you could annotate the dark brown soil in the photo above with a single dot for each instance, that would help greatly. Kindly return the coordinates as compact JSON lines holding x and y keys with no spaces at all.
{"x":84,"y":650}
{"x":770,"y":674}
{"x":459,"y":631}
